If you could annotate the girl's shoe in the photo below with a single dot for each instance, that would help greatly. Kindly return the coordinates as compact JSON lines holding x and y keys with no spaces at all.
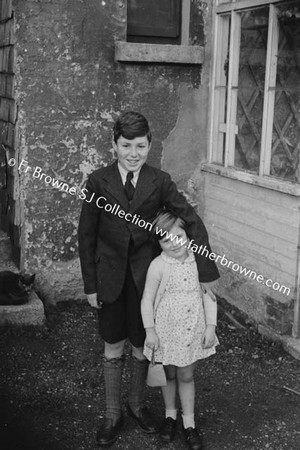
{"x":192,"y":438}
{"x":167,"y":430}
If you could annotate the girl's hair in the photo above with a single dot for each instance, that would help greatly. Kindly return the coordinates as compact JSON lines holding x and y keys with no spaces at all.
{"x":163,"y":223}
{"x":131,"y":125}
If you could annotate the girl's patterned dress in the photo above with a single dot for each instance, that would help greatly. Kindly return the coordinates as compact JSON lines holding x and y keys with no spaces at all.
{"x":180,"y":318}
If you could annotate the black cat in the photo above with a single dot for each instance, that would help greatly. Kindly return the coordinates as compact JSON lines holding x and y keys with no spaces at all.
{"x":15,"y":288}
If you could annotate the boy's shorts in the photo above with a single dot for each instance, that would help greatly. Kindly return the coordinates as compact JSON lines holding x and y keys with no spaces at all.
{"x":122,"y":319}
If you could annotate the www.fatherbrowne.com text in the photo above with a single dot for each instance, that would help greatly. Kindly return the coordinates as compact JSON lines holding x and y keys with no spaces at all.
{"x":101,"y":203}
{"x":202,"y":250}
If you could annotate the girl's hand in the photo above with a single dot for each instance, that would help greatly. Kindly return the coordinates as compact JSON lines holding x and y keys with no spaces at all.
{"x":152,"y":340}
{"x":209,"y":336}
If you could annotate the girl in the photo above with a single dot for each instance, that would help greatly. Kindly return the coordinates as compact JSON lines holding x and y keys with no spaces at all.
{"x":179,"y":321}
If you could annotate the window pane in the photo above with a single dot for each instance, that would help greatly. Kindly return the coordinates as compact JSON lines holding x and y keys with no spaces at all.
{"x":285,"y":161}
{"x":252,"y":68}
{"x":154,"y":18}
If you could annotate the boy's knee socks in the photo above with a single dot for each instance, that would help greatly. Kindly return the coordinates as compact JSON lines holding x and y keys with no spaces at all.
{"x":113,"y":369}
{"x":138,"y":380}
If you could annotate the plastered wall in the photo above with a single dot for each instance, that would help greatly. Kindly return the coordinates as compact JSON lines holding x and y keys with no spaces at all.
{"x":69,"y":91}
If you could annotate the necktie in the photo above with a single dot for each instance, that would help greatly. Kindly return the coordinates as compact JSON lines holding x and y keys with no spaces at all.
{"x":129,"y":188}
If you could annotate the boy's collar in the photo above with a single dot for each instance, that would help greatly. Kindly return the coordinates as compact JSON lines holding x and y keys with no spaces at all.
{"x":124,"y":172}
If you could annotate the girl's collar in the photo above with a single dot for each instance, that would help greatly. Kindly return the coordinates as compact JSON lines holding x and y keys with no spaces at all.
{"x":190,"y":258}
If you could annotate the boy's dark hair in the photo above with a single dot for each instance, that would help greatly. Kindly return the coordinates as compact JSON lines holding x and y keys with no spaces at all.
{"x":131,"y":125}
{"x":164,"y":221}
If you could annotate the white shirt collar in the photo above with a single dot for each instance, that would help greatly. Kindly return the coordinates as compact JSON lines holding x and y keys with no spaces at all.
{"x":124,"y":172}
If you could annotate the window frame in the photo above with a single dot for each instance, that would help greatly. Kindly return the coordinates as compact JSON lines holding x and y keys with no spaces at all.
{"x":142,"y":31}
{"x":219,"y":128}
{"x":183,"y":53}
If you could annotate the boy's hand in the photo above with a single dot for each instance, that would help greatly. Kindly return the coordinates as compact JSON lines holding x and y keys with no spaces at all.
{"x":209,"y":336}
{"x":152,"y":340}
{"x":92,"y":299}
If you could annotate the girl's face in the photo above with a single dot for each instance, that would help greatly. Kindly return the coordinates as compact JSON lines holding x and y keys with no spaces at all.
{"x":175,"y":243}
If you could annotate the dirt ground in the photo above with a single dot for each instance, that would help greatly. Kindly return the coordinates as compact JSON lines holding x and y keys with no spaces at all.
{"x":52,"y":390}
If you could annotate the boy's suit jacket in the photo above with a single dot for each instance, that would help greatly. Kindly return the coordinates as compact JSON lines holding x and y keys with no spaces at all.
{"x":104,"y":237}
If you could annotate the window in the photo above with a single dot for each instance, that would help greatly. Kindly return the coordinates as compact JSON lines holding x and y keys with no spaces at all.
{"x":255,"y":124}
{"x":154,"y":21}
{"x":163,"y":31}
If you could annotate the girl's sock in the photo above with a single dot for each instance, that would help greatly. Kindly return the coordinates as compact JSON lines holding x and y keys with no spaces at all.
{"x":171,"y":413}
{"x":188,"y":421}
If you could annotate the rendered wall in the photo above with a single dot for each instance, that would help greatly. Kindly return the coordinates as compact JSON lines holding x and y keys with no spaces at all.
{"x":70,"y":90}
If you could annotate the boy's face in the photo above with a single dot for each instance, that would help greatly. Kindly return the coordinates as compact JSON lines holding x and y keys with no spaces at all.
{"x":132,"y":153}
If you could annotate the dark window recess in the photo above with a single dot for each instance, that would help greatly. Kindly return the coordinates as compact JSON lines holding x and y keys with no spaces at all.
{"x":154,"y":21}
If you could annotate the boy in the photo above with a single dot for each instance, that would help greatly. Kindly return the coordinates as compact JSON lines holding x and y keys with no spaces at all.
{"x":115,"y":253}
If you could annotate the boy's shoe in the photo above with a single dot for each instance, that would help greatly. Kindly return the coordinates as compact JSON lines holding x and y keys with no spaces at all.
{"x":143,"y":419}
{"x":192,"y":438}
{"x":108,"y":432}
{"x":167,"y":430}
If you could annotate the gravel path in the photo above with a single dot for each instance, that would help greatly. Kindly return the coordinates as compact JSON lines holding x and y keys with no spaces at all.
{"x":52,"y":390}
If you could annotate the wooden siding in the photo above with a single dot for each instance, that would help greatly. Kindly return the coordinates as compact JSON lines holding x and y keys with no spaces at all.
{"x":256,"y":228}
